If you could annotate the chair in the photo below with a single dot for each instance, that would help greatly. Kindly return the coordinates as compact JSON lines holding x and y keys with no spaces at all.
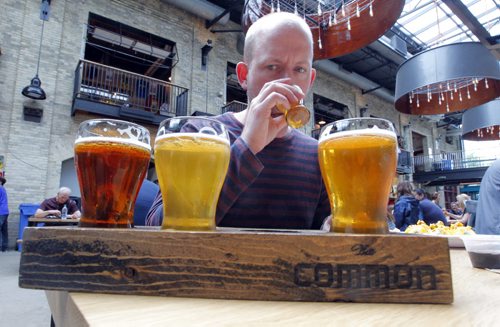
{"x":471,"y":207}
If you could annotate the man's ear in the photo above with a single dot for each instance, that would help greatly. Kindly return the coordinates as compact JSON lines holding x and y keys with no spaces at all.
{"x":242,"y":72}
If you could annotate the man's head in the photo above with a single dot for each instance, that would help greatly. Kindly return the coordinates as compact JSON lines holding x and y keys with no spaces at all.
{"x":63,"y":195}
{"x":419,"y":194}
{"x":3,"y":180}
{"x":277,"y":46}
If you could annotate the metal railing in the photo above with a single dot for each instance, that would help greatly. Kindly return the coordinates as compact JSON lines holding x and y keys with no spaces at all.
{"x":109,"y":85}
{"x":234,"y":106}
{"x":454,"y":160}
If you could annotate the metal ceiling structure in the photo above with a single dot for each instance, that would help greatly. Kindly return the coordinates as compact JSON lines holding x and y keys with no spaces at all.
{"x":423,"y":24}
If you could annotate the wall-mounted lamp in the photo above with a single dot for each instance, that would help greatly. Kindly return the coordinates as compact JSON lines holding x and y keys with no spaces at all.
{"x":204,"y":52}
{"x":34,"y":90}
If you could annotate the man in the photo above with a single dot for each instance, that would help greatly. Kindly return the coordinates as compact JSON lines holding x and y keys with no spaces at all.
{"x":430,"y":212}
{"x":273,"y":180}
{"x":4,"y":215}
{"x":54,"y":206}
{"x":488,"y":206}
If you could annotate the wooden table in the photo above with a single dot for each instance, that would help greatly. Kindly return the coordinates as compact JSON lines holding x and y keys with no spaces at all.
{"x":476,"y":303}
{"x":32,"y":221}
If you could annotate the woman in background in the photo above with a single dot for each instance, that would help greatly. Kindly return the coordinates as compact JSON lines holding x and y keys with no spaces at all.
{"x":406,"y":207}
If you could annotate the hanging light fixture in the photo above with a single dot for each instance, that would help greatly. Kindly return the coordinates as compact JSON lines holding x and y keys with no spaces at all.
{"x":448,"y":78}
{"x":339,"y":27}
{"x":482,"y":123}
{"x":34,"y":90}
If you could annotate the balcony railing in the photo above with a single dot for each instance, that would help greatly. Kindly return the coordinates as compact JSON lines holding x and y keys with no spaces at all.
{"x":130,"y":92}
{"x":454,"y":160}
{"x":234,"y":106}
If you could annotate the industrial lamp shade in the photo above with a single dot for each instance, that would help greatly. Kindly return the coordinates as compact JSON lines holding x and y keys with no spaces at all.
{"x":338,"y":27}
{"x":448,"y":78}
{"x":34,"y":90}
{"x":482,"y":123}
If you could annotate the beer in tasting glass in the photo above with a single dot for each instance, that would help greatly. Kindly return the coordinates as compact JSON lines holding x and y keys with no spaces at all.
{"x":191,"y":159}
{"x":111,"y":160}
{"x":358,"y":160}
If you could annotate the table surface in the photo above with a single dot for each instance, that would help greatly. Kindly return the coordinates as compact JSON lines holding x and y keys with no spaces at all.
{"x":476,"y":302}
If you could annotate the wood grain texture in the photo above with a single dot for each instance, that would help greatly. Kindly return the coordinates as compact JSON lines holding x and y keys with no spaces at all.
{"x":231,"y":264}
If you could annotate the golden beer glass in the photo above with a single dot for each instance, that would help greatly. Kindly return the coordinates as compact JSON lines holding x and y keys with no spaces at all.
{"x":297,"y":116}
{"x":111,"y":161}
{"x":358,"y":160}
{"x":191,"y":159}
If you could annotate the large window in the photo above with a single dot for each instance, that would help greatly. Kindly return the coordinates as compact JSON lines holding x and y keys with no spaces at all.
{"x":121,"y":46}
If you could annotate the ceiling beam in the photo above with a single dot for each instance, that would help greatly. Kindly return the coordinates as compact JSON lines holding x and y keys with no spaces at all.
{"x":462,"y":12}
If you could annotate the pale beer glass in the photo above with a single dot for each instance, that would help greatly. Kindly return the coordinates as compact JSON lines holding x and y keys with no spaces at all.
{"x":111,"y":161}
{"x":358,"y":160}
{"x":191,"y":159}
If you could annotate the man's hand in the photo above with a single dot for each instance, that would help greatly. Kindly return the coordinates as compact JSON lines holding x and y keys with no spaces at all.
{"x":261,"y":125}
{"x":56,"y":213}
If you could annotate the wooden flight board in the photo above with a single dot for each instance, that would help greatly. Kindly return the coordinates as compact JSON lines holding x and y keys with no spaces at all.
{"x":239,"y":264}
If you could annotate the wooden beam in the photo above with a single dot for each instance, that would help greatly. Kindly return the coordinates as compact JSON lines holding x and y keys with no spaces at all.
{"x":239,"y":264}
{"x":463,"y":13}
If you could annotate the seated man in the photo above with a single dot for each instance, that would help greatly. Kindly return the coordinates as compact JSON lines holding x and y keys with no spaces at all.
{"x":274,"y":179}
{"x":54,"y":206}
{"x":430,"y":212}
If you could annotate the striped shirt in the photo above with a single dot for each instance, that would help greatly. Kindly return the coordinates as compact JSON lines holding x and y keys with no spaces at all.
{"x":280,"y":187}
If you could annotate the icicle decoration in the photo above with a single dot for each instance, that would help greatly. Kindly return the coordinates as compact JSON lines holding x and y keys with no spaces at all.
{"x":486,"y":83}
{"x":278,"y":9}
{"x":295,"y":10}
{"x":371,"y":8}
{"x":319,"y":9}
{"x":357,"y":9}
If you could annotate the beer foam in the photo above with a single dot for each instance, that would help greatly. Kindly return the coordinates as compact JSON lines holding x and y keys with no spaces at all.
{"x":193,"y":135}
{"x":366,"y":131}
{"x":100,"y":139}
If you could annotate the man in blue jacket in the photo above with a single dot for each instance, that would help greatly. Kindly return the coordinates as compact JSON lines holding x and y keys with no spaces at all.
{"x":430,"y":212}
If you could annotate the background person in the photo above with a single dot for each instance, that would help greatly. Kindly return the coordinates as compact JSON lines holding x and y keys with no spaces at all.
{"x":429,"y":211}
{"x":454,"y":209}
{"x":406,"y":207}
{"x":274,"y":179}
{"x":488,"y":207}
{"x":4,"y":215}
{"x":435,"y":199}
{"x":465,"y":216}
{"x":53,"y":206}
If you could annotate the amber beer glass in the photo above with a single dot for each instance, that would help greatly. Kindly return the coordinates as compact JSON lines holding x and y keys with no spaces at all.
{"x":358,"y":161}
{"x":111,"y":160}
{"x":191,"y":159}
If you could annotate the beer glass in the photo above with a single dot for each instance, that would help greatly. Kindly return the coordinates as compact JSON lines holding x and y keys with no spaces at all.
{"x":297,"y":116}
{"x":191,"y":159}
{"x":111,"y":161}
{"x":358,"y":159}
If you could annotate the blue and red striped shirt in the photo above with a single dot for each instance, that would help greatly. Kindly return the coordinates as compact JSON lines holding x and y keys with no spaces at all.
{"x":280,"y":187}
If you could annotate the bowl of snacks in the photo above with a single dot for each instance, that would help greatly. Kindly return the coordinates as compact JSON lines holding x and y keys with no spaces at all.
{"x":483,"y":250}
{"x":453,"y":233}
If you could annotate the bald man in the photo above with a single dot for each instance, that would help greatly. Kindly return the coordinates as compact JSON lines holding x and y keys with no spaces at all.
{"x":274,"y":179}
{"x":53,"y":206}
